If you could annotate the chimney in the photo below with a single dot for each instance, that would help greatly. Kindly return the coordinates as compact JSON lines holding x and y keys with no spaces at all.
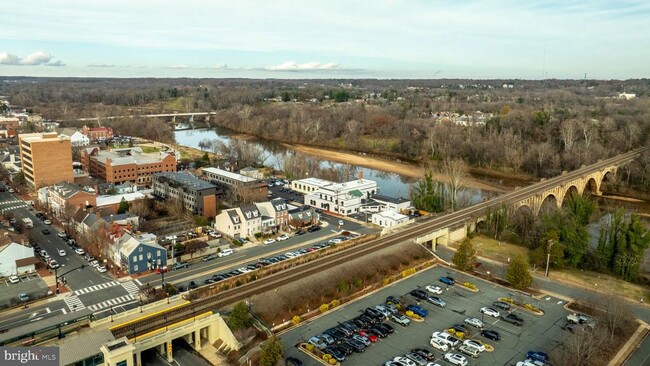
{"x":360,"y":175}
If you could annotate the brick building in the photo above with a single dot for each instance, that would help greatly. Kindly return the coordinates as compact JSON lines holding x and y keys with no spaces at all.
{"x":97,"y":133}
{"x":64,"y":196}
{"x":126,"y":165}
{"x":46,"y":158}
{"x":198,"y":196}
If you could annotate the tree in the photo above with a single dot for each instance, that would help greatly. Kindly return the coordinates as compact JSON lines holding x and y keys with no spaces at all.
{"x":194,"y":246}
{"x":272,"y":352}
{"x":518,"y":273}
{"x":465,"y":257}
{"x":454,"y":173}
{"x":124,"y":206}
{"x":427,"y":194}
{"x":240,"y":317}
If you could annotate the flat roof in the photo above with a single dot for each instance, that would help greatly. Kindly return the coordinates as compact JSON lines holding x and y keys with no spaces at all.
{"x":42,"y":325}
{"x":104,"y":200}
{"x":396,"y":200}
{"x":391,"y":215}
{"x":315,"y":182}
{"x":231,"y":175}
{"x":83,"y":346}
{"x":187,"y":180}
{"x":351,"y":185}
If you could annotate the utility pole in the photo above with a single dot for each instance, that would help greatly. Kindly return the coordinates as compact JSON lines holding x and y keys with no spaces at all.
{"x":549,"y":245}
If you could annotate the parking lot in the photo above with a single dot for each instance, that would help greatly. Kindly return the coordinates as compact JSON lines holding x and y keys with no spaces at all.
{"x":30,"y":284}
{"x":539,"y":333}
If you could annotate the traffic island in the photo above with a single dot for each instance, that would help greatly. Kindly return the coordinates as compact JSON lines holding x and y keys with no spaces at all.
{"x":469,"y":286}
{"x":526,"y":307}
{"x":318,"y":355}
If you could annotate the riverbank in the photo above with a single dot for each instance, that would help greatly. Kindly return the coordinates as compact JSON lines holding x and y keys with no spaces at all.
{"x":386,"y":165}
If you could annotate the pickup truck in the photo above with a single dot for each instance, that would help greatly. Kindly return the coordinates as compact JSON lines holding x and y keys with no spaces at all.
{"x":514,"y":319}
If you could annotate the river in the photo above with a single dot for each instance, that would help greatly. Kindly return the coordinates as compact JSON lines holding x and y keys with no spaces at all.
{"x":391,"y":184}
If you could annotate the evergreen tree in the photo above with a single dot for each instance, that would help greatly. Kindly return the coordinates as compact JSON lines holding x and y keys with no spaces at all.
{"x":465,"y":257}
{"x":518,"y":273}
{"x":272,"y":352}
{"x":428,"y":194}
{"x":124,"y":206}
{"x":240,"y":317}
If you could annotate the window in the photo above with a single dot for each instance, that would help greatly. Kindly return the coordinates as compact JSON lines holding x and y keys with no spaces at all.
{"x":158,"y":253}
{"x":140,"y":249}
{"x":135,"y":267}
{"x":141,"y":257}
{"x":135,"y":258}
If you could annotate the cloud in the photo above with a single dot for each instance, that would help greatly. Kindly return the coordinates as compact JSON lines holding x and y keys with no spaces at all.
{"x":178,"y":67}
{"x":55,"y":63}
{"x":309,"y":66}
{"x":101,"y":65}
{"x":220,"y":67}
{"x":34,"y":59}
{"x":8,"y":59}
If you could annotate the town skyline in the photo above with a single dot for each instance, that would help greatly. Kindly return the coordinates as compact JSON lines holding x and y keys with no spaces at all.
{"x":290,"y":39}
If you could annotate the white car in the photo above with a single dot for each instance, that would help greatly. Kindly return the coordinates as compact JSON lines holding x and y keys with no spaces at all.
{"x":491,"y":312}
{"x":61,"y":252}
{"x":269,"y":241}
{"x":47,"y":222}
{"x":475,"y":344}
{"x":214,"y":235}
{"x":341,"y":223}
{"x":446,"y":338}
{"x":439,"y":344}
{"x":433,"y":364}
{"x":61,"y":235}
{"x":14,"y":279}
{"x":290,"y":255}
{"x":405,"y":361}
{"x":283,"y":237}
{"x":244,"y":270}
{"x":101,"y":269}
{"x":475,"y":322}
{"x":79,"y":251}
{"x":530,"y":363}
{"x":456,"y":359}
{"x":434,"y":289}
{"x":94,"y":264}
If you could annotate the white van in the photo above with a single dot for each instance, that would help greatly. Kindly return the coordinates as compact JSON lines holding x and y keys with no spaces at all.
{"x":225,"y":252}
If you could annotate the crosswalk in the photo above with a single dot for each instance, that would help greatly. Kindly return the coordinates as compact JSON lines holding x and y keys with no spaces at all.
{"x":15,"y":205}
{"x":74,"y":303}
{"x":112,"y":302}
{"x":95,"y":287}
{"x":131,"y":288}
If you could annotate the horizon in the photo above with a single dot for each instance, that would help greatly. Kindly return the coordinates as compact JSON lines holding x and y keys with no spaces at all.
{"x":289,"y":39}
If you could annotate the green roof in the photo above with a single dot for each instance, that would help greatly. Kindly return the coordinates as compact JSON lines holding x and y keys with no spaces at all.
{"x":356,"y":193}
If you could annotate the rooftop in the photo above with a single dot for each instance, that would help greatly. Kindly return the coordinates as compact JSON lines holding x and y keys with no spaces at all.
{"x":83,"y":346}
{"x":382,"y":198}
{"x":186,"y":180}
{"x":351,"y":185}
{"x":231,"y":175}
{"x":391,"y":215}
{"x":129,"y":156}
{"x":45,"y":136}
{"x":315,"y":182}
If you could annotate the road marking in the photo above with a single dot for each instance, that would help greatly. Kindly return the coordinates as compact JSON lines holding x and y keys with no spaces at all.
{"x":138,"y":282}
{"x":111,"y":302}
{"x":131,"y":288}
{"x":74,"y":303}
{"x":48,"y":310}
{"x":100,"y":286}
{"x":37,"y":319}
{"x":63,"y":311}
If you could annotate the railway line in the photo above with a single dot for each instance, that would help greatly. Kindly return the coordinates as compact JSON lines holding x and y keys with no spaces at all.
{"x":460,"y":217}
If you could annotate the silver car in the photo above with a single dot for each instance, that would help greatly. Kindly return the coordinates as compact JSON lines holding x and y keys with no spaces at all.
{"x":475,"y":322}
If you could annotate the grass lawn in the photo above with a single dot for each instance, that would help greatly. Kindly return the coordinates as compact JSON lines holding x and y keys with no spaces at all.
{"x":501,"y":251}
{"x":149,"y":149}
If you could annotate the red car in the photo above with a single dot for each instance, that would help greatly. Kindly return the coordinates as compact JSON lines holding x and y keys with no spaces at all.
{"x":162,"y":270}
{"x":371,"y":337}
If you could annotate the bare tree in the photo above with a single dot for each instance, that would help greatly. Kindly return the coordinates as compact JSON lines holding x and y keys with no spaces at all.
{"x":568,"y":132}
{"x":141,"y":208}
{"x":454,"y":174}
{"x":616,"y":314}
{"x":582,"y":347}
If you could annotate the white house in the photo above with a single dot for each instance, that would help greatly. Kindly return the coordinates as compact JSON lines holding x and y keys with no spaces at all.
{"x":229,"y":223}
{"x":79,"y":139}
{"x":342,"y":198}
{"x":16,"y":259}
{"x":386,"y":203}
{"x":389,"y":218}
{"x":309,"y":185}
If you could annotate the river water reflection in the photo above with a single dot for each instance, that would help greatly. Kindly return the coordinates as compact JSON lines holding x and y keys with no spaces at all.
{"x":390,"y":184}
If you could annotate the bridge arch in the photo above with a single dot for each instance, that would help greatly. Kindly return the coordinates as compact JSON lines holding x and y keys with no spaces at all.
{"x":570,"y":192}
{"x":548,"y":203}
{"x":592,"y":186}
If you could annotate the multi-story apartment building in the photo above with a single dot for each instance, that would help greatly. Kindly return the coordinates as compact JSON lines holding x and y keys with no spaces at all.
{"x":197,"y":196}
{"x":126,"y":165}
{"x":241,"y":187}
{"x":46,"y":158}
{"x":343,"y":198}
{"x":64,"y":196}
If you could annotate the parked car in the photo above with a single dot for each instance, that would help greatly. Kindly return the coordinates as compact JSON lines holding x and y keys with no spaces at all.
{"x":101,"y":269}
{"x":79,"y":251}
{"x":419,"y":360}
{"x":447,"y":338}
{"x":474,"y":343}
{"x":386,"y":328}
{"x":491,"y":334}
{"x":447,"y":281}
{"x":514,"y":319}
{"x":210,"y":257}
{"x":23,"y":297}
{"x":400,"y":319}
{"x":341,"y":223}
{"x":424,"y":353}
{"x":292,"y":361}
{"x":47,"y":222}
{"x":501,"y":304}
{"x":180,"y":265}
{"x":53,"y":264}
{"x":14,"y":279}
{"x":469,"y":350}
{"x":490,"y":312}
{"x":475,"y":322}
{"x":356,"y":345}
{"x":45,"y":232}
{"x":434,"y":289}
{"x":300,"y":232}
{"x":371,"y":337}
{"x":404,"y":361}
{"x":192,"y":285}
{"x":94,"y":264}
{"x":225,"y":252}
{"x":435,"y":300}
{"x":455,"y":359}
{"x":313,"y":229}
{"x":419,"y":294}
{"x":214,"y":234}
{"x":269,"y":241}
{"x":62,"y":235}
{"x":439,"y":344}
{"x":283,"y":237}
{"x":537,"y":356}
{"x":61,"y":253}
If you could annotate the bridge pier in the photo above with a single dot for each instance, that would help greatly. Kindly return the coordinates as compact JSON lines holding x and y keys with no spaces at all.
{"x":197,"y":340}
{"x":138,"y":358}
{"x":170,"y":357}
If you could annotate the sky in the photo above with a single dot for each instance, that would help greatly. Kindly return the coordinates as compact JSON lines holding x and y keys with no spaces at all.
{"x":384,"y":39}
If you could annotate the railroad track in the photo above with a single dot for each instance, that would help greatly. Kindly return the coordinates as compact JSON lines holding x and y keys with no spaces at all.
{"x":292,"y":274}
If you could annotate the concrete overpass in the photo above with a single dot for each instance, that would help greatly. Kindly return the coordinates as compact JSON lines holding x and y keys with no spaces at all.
{"x":155,"y":115}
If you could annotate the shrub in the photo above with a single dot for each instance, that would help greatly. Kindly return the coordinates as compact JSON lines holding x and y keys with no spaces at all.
{"x":469,"y":285}
{"x":310,"y":347}
{"x":385,"y":281}
{"x":295,"y":320}
{"x":258,"y":235}
{"x":531,"y":308}
{"x":334,"y":303}
{"x":357,"y":282}
{"x":332,"y":361}
{"x":409,"y":313}
{"x":323,"y":308}
{"x":327,"y":357}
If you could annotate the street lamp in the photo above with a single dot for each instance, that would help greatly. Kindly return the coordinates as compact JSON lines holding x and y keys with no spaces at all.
{"x":111,"y":313}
